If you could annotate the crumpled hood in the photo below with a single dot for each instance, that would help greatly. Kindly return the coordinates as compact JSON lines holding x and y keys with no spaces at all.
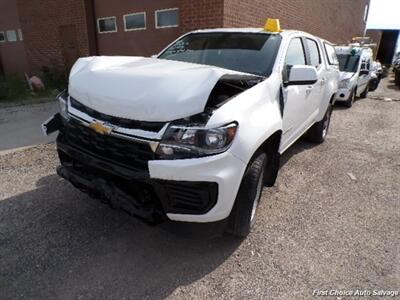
{"x":345,"y":75}
{"x":144,"y":89}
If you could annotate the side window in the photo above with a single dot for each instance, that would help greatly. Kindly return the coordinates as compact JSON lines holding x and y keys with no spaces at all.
{"x":331,"y":54}
{"x":295,"y":53}
{"x":315,"y":57}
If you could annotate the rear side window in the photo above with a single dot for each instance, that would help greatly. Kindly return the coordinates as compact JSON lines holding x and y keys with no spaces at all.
{"x":295,"y":53}
{"x":315,"y":57}
{"x":331,"y":54}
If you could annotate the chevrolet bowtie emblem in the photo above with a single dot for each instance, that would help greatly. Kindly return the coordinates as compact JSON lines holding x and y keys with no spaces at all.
{"x":100,"y":127}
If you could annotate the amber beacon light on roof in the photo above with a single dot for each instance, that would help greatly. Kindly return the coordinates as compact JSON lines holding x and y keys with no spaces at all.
{"x":272,"y":25}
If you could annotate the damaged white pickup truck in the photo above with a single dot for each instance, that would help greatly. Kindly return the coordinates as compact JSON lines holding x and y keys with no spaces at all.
{"x":195,"y":133}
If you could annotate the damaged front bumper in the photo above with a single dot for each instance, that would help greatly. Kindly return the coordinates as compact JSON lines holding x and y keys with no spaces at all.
{"x":110,"y":177}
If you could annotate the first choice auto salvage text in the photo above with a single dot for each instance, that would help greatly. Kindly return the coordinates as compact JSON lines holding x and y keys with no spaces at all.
{"x":355,"y":293}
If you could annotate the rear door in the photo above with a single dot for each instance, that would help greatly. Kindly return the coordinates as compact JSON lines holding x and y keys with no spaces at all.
{"x":297,"y":108}
{"x":315,"y":60}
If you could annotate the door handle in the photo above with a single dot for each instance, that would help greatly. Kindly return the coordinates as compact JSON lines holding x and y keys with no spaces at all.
{"x":309,"y":89}
{"x":323,"y":80}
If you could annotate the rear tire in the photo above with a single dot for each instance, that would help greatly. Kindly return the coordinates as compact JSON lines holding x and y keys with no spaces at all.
{"x":349,"y":102}
{"x":243,"y":214}
{"x":318,"y":132}
{"x":365,"y":93}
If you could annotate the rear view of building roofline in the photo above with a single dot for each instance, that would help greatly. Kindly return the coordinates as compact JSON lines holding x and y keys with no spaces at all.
{"x":42,"y":33}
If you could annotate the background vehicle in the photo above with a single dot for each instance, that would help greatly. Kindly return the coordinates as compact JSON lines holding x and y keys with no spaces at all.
{"x":355,"y":66}
{"x":376,"y":75}
{"x":195,"y":134}
{"x":396,"y":69}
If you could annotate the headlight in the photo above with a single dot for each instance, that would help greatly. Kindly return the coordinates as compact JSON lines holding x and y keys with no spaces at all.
{"x":187,"y":142}
{"x":344,"y":84}
{"x":63,"y":101}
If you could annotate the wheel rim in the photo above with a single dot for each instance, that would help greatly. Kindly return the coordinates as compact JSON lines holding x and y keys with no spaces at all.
{"x":326,"y":122}
{"x":257,"y":199}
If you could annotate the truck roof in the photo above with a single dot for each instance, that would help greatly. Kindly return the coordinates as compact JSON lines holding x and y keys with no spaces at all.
{"x":249,"y":30}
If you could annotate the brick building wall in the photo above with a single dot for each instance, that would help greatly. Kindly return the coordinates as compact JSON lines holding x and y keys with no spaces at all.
{"x":200,"y":14}
{"x":335,"y":20}
{"x":137,"y":42}
{"x":40,"y":22}
{"x":12,"y":54}
{"x":376,"y":36}
{"x":56,"y":32}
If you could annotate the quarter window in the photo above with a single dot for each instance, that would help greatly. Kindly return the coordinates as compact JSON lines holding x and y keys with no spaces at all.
{"x":106,"y":25}
{"x":315,"y":57}
{"x":331,"y":54}
{"x":167,"y":18}
{"x":11,"y":35}
{"x":295,"y":53}
{"x":2,"y":37}
{"x":135,"y":21}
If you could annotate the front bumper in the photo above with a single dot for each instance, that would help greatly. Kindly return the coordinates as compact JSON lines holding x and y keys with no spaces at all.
{"x":191,"y":190}
{"x":343,"y":94}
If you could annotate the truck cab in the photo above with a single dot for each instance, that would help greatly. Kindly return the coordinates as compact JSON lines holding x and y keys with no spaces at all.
{"x":355,"y":64}
{"x":195,"y":133}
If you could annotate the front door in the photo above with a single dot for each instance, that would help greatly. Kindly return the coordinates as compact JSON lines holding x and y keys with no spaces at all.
{"x":69,"y":45}
{"x":297,"y":98}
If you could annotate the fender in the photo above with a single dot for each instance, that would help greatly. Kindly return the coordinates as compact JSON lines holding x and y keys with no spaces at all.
{"x":259,"y":109}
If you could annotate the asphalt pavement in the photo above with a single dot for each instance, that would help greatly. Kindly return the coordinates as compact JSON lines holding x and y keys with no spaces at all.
{"x":20,"y":125}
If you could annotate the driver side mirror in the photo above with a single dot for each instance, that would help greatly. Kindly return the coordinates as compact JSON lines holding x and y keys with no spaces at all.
{"x":364,"y":72}
{"x":301,"y":75}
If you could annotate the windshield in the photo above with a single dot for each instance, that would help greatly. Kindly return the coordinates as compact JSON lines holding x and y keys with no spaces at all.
{"x":252,"y":53}
{"x":348,"y":63}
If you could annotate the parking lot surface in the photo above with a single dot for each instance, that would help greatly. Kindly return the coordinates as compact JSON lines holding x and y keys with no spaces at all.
{"x":332,"y":221}
{"x":20,"y":124}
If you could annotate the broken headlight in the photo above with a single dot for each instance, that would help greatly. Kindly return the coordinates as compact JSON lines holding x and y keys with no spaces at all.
{"x":187,"y":142}
{"x":63,"y":101}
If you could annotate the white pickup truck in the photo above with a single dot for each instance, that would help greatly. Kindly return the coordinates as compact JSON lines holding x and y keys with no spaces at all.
{"x":195,"y":133}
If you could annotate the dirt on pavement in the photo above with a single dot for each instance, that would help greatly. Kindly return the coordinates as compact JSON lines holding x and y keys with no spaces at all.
{"x":332,"y":221}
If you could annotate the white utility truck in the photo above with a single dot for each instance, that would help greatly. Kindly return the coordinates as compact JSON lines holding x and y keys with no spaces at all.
{"x":355,"y":62}
{"x":195,"y":133}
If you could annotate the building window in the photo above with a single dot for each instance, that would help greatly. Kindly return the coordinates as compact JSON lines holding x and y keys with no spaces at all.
{"x":11,"y":35}
{"x":166,"y":18}
{"x":136,"y":21}
{"x":21,"y":38}
{"x":2,"y":37}
{"x":106,"y":25}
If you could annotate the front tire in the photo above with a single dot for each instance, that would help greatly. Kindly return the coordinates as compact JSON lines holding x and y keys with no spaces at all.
{"x":243,"y":215}
{"x":365,"y":93}
{"x":318,"y":132}
{"x":349,"y":102}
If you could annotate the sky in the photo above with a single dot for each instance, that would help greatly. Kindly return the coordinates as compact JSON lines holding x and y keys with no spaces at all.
{"x":384,"y":14}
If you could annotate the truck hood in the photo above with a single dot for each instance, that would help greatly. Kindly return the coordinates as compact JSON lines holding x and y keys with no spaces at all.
{"x":345,"y":75}
{"x":144,"y":89}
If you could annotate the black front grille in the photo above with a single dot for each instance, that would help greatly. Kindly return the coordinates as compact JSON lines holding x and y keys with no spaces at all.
{"x":120,"y":122}
{"x":123,"y":152}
